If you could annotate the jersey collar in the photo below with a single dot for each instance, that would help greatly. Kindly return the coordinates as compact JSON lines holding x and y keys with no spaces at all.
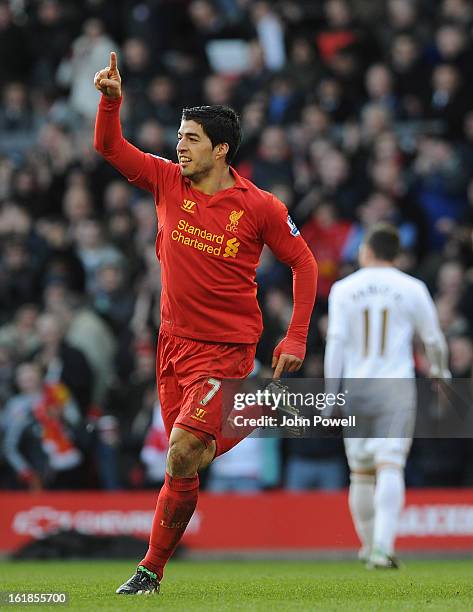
{"x":240,"y":183}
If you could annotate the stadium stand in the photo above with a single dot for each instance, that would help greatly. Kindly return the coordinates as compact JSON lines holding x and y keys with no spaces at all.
{"x":353,"y":113}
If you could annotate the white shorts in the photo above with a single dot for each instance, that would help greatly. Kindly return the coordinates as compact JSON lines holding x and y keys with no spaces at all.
{"x":367,"y":453}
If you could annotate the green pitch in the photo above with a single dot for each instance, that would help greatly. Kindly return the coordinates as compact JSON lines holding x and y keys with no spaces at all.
{"x":251,"y":585}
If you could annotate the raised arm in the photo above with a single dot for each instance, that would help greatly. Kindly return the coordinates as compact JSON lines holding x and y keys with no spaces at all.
{"x":138,"y":167}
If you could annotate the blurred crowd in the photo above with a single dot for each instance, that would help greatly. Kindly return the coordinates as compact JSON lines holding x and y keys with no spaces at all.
{"x":353,"y":112}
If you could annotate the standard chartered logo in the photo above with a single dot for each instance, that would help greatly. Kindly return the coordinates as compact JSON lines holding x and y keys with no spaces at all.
{"x":216,"y":240}
{"x":231,"y":249}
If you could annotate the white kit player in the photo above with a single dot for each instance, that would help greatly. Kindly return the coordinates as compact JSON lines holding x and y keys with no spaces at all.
{"x":373,"y":316}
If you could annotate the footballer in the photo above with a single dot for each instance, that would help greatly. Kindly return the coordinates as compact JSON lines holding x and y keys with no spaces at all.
{"x":374,"y":314}
{"x":212,"y":226}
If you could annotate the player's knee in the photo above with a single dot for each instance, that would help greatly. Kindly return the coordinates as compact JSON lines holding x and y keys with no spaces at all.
{"x":181,"y":460}
{"x":184,"y":455}
{"x":362,"y":476}
{"x":207,"y":456}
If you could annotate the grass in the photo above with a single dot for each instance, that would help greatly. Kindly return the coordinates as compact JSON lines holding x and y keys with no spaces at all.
{"x":251,"y":585}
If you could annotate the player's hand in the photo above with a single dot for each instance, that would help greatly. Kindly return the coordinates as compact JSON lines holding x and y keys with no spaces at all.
{"x":287,"y":356}
{"x":108,"y":80}
{"x":285,"y":363}
{"x":435,"y":373}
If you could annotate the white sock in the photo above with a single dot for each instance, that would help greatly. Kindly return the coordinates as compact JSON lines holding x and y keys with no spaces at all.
{"x":361,"y":502}
{"x":388,"y":503}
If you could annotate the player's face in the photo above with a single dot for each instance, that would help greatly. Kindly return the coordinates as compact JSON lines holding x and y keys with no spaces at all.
{"x":194,"y":151}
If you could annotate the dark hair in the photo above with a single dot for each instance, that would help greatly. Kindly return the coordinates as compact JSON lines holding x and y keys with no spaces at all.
{"x":383,"y":239}
{"x":220,"y":123}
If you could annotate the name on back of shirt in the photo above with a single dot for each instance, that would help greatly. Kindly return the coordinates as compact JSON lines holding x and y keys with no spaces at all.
{"x":376,"y":290}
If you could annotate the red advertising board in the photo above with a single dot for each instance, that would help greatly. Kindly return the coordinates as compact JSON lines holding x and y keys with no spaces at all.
{"x":432,"y":519}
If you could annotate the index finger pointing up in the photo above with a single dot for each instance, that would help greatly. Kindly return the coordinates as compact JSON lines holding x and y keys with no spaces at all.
{"x":113,"y":60}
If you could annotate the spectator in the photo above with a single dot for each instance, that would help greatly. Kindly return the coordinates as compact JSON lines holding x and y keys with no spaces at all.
{"x":254,"y":80}
{"x":315,"y":123}
{"x":51,"y":36}
{"x":60,"y":264}
{"x":457,"y":11}
{"x":270,"y":34}
{"x":239,"y":470}
{"x":14,"y":46}
{"x":380,"y":88}
{"x":50,"y":422}
{"x":7,"y":372}
{"x":20,"y":336}
{"x":121,"y":230}
{"x":90,"y":52}
{"x":375,"y":119}
{"x":333,"y":100}
{"x":136,"y":68}
{"x":117,"y":197}
{"x":440,"y":182}
{"x":351,"y":112}
{"x":376,"y":209}
{"x":340,"y":32}
{"x":77,"y":204}
{"x":18,"y":408}
{"x":461,"y":356}
{"x":303,"y":65}
{"x":315,"y":464}
{"x":283,"y":101}
{"x":15,"y":114}
{"x":87,"y":333}
{"x":217,"y":90}
{"x":453,"y":48}
{"x":448,"y":103}
{"x":335,"y":181}
{"x":326,"y":236}
{"x":112,"y":297}
{"x":271,"y":164}
{"x":151,"y":137}
{"x":62,"y":363}
{"x":132,"y":402}
{"x":154,"y":451}
{"x":163,"y":101}
{"x":402,"y":17}
{"x":18,"y":276}
{"x":93,"y":251}
{"x":410,"y":74}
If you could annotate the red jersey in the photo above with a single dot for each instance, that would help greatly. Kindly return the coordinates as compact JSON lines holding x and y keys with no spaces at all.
{"x":209,"y":246}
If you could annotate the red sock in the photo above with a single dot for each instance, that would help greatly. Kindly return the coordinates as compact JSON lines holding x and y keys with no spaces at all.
{"x":176,"y":504}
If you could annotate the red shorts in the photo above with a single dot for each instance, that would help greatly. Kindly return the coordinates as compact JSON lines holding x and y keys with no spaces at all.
{"x":189,"y":374}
